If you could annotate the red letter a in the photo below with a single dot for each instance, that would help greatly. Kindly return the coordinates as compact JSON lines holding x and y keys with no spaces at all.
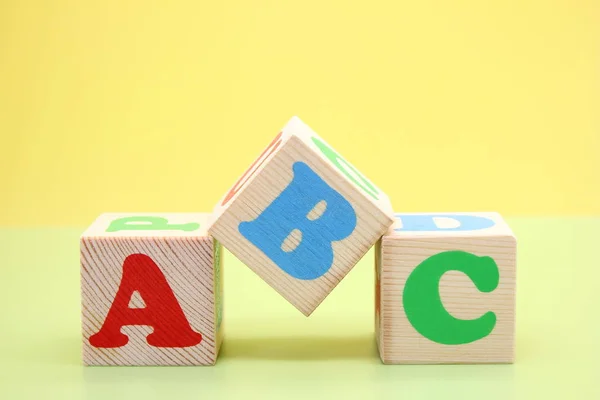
{"x":162,"y":311}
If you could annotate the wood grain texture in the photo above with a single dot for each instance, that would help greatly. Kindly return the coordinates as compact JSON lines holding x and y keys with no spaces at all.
{"x":399,"y":253}
{"x":186,"y":258}
{"x":269,"y":178}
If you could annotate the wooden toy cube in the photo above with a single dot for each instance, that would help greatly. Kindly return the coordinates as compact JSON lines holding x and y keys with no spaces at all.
{"x":151,"y":290}
{"x":301,"y":216}
{"x":445,"y":290}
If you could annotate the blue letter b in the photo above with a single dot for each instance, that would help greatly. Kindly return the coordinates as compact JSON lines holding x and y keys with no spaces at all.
{"x":289,"y":211}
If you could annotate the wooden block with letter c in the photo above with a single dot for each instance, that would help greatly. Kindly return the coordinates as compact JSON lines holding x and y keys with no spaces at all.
{"x":445,"y":289}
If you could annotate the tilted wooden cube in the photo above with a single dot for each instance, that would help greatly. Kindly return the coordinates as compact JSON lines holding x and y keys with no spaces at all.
{"x":301,"y":216}
{"x":151,"y":290}
{"x":445,"y":290}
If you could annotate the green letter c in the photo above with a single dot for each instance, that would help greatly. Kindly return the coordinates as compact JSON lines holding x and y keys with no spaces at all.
{"x":346,"y":168}
{"x":423,"y":305}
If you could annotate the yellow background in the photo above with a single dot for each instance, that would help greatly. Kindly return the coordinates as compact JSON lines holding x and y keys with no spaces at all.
{"x":160,"y":106}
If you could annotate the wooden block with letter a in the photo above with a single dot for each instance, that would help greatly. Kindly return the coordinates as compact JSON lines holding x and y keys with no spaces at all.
{"x":301,"y":216}
{"x":445,"y":290}
{"x":151,"y":290}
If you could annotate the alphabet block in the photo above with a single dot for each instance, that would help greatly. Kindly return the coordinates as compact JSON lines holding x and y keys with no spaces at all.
{"x":151,"y":290}
{"x":445,"y":290}
{"x":301,"y":216}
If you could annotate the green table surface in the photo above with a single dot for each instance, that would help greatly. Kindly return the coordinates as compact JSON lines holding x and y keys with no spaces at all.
{"x":272,"y":351}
